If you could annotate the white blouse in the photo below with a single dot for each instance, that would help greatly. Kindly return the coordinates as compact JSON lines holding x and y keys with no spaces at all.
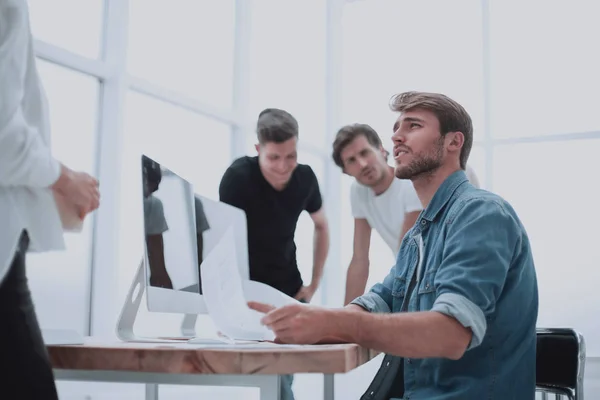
{"x":27,"y":167}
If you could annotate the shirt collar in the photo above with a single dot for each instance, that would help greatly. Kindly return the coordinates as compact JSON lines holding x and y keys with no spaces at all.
{"x":444,"y":194}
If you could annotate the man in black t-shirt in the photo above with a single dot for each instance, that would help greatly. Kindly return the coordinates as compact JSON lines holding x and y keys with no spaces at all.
{"x":273,"y":190}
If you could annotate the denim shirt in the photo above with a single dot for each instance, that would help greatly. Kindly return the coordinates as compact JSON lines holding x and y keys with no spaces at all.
{"x":467,"y":256}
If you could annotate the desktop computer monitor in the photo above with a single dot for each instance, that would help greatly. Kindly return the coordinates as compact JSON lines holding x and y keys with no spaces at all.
{"x":180,"y":230}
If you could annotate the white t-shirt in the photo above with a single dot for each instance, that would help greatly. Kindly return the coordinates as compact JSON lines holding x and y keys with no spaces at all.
{"x":385,"y":213}
{"x":472,"y":177}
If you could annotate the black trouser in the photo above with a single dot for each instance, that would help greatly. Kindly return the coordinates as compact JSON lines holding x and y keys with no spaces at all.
{"x":25,"y":371}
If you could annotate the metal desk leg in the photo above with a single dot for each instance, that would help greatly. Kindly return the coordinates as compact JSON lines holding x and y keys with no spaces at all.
{"x":328,"y":385}
{"x":151,"y":391}
{"x":270,"y":387}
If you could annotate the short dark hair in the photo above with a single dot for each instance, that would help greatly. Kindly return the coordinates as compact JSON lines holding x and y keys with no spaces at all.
{"x":451,"y":115}
{"x":275,"y":125}
{"x":151,"y":171}
{"x":347,"y":134}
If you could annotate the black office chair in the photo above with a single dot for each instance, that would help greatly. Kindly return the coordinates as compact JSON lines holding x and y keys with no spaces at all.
{"x":560,"y":363}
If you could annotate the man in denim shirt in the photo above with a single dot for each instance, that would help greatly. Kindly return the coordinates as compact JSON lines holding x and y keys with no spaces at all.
{"x":456,"y":315}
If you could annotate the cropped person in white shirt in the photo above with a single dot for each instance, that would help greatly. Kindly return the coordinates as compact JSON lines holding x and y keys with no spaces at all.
{"x":30,"y":179}
{"x":379,"y":200}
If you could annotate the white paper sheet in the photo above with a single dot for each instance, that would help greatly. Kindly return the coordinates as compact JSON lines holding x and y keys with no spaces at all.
{"x":263,"y":293}
{"x":223,"y":294}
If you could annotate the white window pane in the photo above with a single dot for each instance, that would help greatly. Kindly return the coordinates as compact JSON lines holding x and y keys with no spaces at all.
{"x":392,"y":46}
{"x":347,"y":229}
{"x":191,"y":145}
{"x":477,"y":163}
{"x":545,"y":67}
{"x":60,"y":280}
{"x":305,"y":228}
{"x":184,"y":45}
{"x":72,"y":24}
{"x":552,"y":188}
{"x":287,"y":66}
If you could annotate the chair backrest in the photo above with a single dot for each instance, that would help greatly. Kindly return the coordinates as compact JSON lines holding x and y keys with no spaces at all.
{"x":560,"y":359}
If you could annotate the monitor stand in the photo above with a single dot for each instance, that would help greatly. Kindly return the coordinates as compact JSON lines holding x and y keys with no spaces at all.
{"x":130,"y":309}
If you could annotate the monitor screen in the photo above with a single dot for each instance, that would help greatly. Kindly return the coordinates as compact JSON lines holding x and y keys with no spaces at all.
{"x":180,"y":229}
{"x":169,"y":214}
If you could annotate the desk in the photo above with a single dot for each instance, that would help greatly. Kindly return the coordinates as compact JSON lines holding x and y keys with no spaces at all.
{"x":216,"y":365}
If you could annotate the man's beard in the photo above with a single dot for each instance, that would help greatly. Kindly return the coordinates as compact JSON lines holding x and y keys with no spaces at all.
{"x":423,"y":163}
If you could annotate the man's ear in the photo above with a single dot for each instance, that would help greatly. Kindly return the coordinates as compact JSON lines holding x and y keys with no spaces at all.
{"x":257,"y":147}
{"x":455,"y":141}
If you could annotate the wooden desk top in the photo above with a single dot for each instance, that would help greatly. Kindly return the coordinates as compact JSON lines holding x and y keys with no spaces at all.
{"x":183,"y":358}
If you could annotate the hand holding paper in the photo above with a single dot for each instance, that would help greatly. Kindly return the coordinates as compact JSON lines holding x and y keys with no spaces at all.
{"x":298,"y":323}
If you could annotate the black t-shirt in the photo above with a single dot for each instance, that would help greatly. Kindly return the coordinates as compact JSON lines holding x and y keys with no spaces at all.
{"x":272,"y":216}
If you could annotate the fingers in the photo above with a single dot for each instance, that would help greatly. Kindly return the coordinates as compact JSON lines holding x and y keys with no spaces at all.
{"x":260,"y":307}
{"x":284,"y":336}
{"x":282,"y":326}
{"x":91,"y":205}
{"x":279,"y":314}
{"x":301,"y":293}
{"x":95,"y":201}
{"x":93,"y":194}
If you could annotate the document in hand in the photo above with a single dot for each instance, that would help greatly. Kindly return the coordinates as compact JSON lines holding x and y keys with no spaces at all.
{"x":223,"y":292}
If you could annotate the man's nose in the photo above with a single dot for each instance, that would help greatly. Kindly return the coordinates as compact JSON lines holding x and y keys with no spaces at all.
{"x":362,"y":162}
{"x":398,"y":137}
{"x":282,"y":167}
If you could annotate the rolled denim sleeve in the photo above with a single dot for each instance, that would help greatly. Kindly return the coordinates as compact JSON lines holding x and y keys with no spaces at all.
{"x":379,"y":298}
{"x":480,"y":245}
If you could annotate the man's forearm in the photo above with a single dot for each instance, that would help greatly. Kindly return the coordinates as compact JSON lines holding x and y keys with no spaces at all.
{"x":356,"y":280}
{"x":412,"y":335}
{"x":321,"y":248}
{"x":336,"y":338}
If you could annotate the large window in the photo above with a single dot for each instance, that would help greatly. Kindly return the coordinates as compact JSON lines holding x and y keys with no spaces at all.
{"x":287,"y":71}
{"x":394,"y":46}
{"x":552,"y":187}
{"x":544,"y":91}
{"x":446,"y":57}
{"x":544,"y":72}
{"x":74,"y":25}
{"x":541,"y":103}
{"x":60,"y":280}
{"x":193,"y":146}
{"x":184,"y":45}
{"x":287,"y":63}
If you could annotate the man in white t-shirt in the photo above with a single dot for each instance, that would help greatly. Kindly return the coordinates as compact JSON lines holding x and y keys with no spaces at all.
{"x":379,"y":200}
